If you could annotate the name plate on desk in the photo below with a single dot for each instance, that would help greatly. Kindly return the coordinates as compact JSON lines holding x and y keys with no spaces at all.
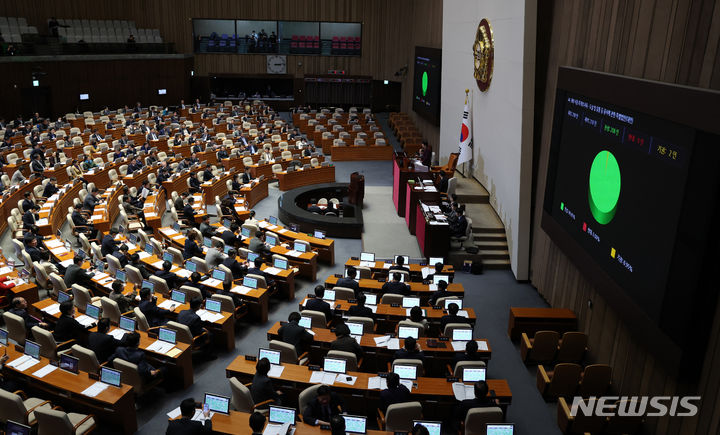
{"x":314,"y":368}
{"x":443,"y":338}
{"x":452,"y":379}
{"x":394,"y":305}
{"x":250,"y":358}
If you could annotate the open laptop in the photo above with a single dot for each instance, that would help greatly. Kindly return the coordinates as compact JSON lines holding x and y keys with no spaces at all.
{"x":280,"y":263}
{"x":355,"y":424}
{"x":3,"y":337}
{"x":178,"y":296}
{"x":273,"y":220}
{"x":329,"y":295}
{"x":435,"y":260}
{"x":250,"y":282}
{"x":300,"y":247}
{"x":334,"y":365}
{"x":227,"y":223}
{"x":168,"y":257}
{"x":245,"y":232}
{"x":272,"y":355}
{"x":149,"y":248}
{"x":409,"y":302}
{"x":367,"y":256}
{"x":13,"y":428}
{"x":500,"y":429}
{"x":319,"y":234}
{"x":271,"y":240}
{"x":218,"y":274}
{"x":62,"y":297}
{"x":433,"y":427}
{"x":370,"y":299}
{"x":92,"y":311}
{"x":32,"y":349}
{"x":408,"y":331}
{"x":167,"y":335}
{"x":213,"y":306}
{"x":405,"y":257}
{"x":305,"y":322}
{"x":127,"y":324}
{"x":405,"y":371}
{"x":217,"y":403}
{"x":281,"y":415}
{"x":252,"y":256}
{"x":110,"y":376}
{"x":474,"y":374}
{"x":207,"y":242}
{"x":147,"y":284}
{"x":462,"y":334}
{"x":191,"y":266}
{"x":458,"y":302}
{"x":69,"y":363}
{"x":355,"y":328}
{"x":438,"y":278}
{"x":120,"y":275}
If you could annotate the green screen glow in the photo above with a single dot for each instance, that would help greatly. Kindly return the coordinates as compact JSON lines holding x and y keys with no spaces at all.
{"x":604,"y":190}
{"x":424,"y":83}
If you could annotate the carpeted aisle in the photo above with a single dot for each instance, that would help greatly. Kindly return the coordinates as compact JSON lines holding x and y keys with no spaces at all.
{"x":385,"y":233}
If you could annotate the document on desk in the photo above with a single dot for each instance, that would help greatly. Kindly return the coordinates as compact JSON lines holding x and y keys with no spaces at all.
{"x":158,"y":264}
{"x":51,"y":309}
{"x":425,"y":271}
{"x":160,"y":346}
{"x":44,"y":371}
{"x":169,"y":231}
{"x":377,"y":383}
{"x":183,"y":273}
{"x":241,"y":289}
{"x":209,"y":316}
{"x":459,"y":346}
{"x":5,"y":270}
{"x":277,"y":429}
{"x":381,"y":341}
{"x":95,"y":389}
{"x":54,"y":243}
{"x":168,"y":304}
{"x":357,"y":338}
{"x":272,"y":270}
{"x":463,"y":313}
{"x":367,"y":264}
{"x":462,"y":391}
{"x":293,"y":253}
{"x":59,"y":251}
{"x":275,"y":371}
{"x":346,"y":379}
{"x":18,"y":361}
{"x":323,"y":378}
{"x":212,"y":282}
{"x":117,"y":333}
{"x":85,"y":320}
{"x":482,"y":345}
{"x":100,"y":275}
{"x":393,"y":344}
{"x":282,"y":230}
{"x":27,"y":364}
{"x":387,"y":265}
{"x":143,"y":254}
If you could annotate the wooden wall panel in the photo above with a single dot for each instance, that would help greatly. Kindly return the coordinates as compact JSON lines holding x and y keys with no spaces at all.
{"x":675,"y":41}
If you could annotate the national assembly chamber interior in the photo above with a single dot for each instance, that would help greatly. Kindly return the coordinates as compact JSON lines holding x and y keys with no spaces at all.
{"x":403,"y":217}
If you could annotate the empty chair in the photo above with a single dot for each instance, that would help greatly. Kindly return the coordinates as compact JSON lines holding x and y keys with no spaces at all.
{"x":399,"y":416}
{"x":572,"y":347}
{"x":82,"y":297}
{"x":48,"y":345}
{"x":350,"y":358}
{"x":54,"y":422}
{"x":15,"y":327}
{"x":242,"y":399}
{"x":142,"y":323}
{"x":562,"y":381}
{"x":288,"y":353}
{"x":541,"y":349}
{"x":159,"y":285}
{"x":344,"y":293}
{"x":277,"y":168}
{"x":133,"y":275}
{"x":391,"y":298}
{"x":477,"y":419}
{"x":110,"y":309}
{"x":184,"y":335}
{"x":595,"y":380}
{"x":19,"y":408}
{"x":317,"y":318}
{"x":87,"y":360}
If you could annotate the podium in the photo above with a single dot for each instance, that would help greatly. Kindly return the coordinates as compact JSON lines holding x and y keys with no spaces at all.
{"x":356,"y":190}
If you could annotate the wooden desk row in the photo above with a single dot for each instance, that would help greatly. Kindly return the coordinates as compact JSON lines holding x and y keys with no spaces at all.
{"x":306,"y":177}
{"x":361,"y":152}
{"x":325,"y":247}
{"x":416,"y":288}
{"x":383,"y":268}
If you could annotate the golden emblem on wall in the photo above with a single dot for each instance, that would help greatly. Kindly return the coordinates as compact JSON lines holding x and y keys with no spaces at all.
{"x":484,"y":54}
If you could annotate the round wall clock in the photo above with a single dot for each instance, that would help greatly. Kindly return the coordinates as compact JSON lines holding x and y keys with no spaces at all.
{"x":484,"y":53}
{"x":276,"y":64}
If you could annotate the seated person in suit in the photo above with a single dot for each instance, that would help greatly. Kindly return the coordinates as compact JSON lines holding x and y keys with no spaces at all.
{"x":262,"y":388}
{"x":190,"y":319}
{"x":230,"y":237}
{"x":179,"y":203}
{"x":442,"y":182}
{"x":19,"y":308}
{"x":189,"y":212}
{"x":257,"y":422}
{"x":400,"y":265}
{"x":481,"y":400}
{"x":172,"y":280}
{"x":293,"y":333}
{"x":148,"y":305}
{"x":192,"y":249}
{"x":231,"y":263}
{"x":75,"y":274}
{"x":441,"y":292}
{"x":394,"y":393}
{"x":28,"y":203}
{"x":79,"y":220}
{"x":91,"y":200}
{"x":470,"y":354}
{"x":102,"y":343}
{"x":121,"y":253}
{"x":458,"y":228}
{"x":186,"y":425}
{"x":129,"y":352}
{"x":438,"y":271}
{"x":345,"y":342}
{"x":136,"y":263}
{"x":194,"y":282}
{"x":318,"y":304}
{"x":50,"y":188}
{"x":313,"y":208}
{"x":395,"y":286}
{"x":321,"y":410}
{"x":416,"y":315}
{"x":205,"y":229}
{"x":67,"y":328}
{"x":215,"y":254}
{"x":452,"y":316}
{"x":350,"y":282}
{"x":411,"y":350}
{"x":360,"y":310}
{"x":124,"y":302}
{"x":109,"y":244}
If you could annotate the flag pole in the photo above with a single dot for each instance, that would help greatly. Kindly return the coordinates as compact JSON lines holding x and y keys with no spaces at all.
{"x":467,"y":91}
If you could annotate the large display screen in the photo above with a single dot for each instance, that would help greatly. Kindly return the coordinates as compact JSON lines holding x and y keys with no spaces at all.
{"x":426,"y":83}
{"x":632,"y":197}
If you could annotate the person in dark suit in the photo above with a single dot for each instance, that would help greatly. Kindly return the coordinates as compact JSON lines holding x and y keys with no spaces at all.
{"x":350,"y":282}
{"x":326,"y":405}
{"x":262,"y":388}
{"x":194,"y":184}
{"x":28,"y":218}
{"x":188,"y":212}
{"x":205,"y":228}
{"x":67,"y":328}
{"x":411,"y":350}
{"x":28,"y":203}
{"x":50,"y":188}
{"x":345,"y":342}
{"x":185,"y":425}
{"x":318,"y":304}
{"x":360,"y":310}
{"x":136,"y":263}
{"x":130,"y":353}
{"x":394,"y":393}
{"x":481,"y":400}
{"x":148,"y":305}
{"x":247,"y":176}
{"x":452,"y":316}
{"x":191,"y":247}
{"x":441,"y":292}
{"x":315,"y":209}
{"x":293,"y":333}
{"x":179,"y":203}
{"x":31,"y":247}
{"x":75,"y":274}
{"x":257,"y":422}
{"x":36,"y":165}
{"x":172,"y":280}
{"x":109,"y":244}
{"x":19,"y":308}
{"x":190,"y":319}
{"x":230,"y":237}
{"x":231,"y":263}
{"x":426,"y":154}
{"x":101,"y":342}
{"x":438,"y":271}
{"x":400,"y":265}
{"x":458,"y":228}
{"x":121,"y":253}
{"x":257,"y":244}
{"x":470,"y":354}
{"x":91,"y":200}
{"x":256,"y":270}
{"x":395,"y":286}
{"x":443,"y":182}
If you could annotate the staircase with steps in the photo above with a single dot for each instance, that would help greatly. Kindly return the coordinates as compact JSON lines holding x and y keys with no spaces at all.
{"x":488,"y":229}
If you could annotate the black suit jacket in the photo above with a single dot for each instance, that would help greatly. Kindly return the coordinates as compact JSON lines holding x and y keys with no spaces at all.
{"x":391,"y":396}
{"x":30,"y":321}
{"x":170,"y":278}
{"x":108,"y":244}
{"x":357,"y":311}
{"x":67,"y":328}
{"x":229,"y":238}
{"x":399,"y":288}
{"x":155,"y":316}
{"x":234,"y":267}
{"x":404,"y":354}
{"x":294,"y":334}
{"x":185,"y":426}
{"x":189,"y":214}
{"x":318,"y":304}
{"x":49,"y":190}
{"x":262,"y":389}
{"x":347,"y":343}
{"x":314,"y":411}
{"x":75,"y":274}
{"x":444,"y":320}
{"x":103,"y":345}
{"x":190,"y":319}
{"x":349,"y":283}
{"x":192,"y":250}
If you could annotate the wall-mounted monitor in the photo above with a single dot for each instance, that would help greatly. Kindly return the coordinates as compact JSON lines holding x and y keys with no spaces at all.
{"x":426,"y":83}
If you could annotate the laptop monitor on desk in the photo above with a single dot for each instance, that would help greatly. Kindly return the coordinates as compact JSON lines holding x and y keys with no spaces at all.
{"x":167,"y":335}
{"x":334,"y":365}
{"x":367,"y":256}
{"x":127,"y":324}
{"x":281,"y":415}
{"x":217,"y":403}
{"x":405,"y":371}
{"x":110,"y":376}
{"x":69,"y":363}
{"x":272,"y":355}
{"x":355,"y":424}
